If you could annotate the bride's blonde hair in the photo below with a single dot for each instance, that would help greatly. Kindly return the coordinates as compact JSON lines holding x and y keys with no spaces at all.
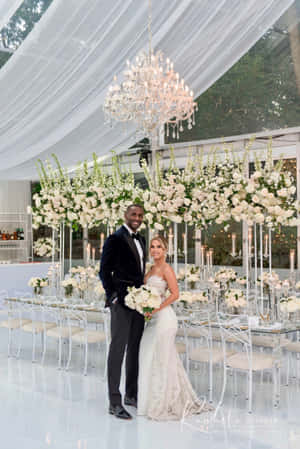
{"x":161,"y":239}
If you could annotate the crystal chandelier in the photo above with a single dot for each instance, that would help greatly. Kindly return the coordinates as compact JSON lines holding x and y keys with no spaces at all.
{"x":151,"y":95}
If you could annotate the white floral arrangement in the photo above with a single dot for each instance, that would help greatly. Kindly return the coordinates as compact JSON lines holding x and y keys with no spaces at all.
{"x":188,"y":297}
{"x":235,"y":297}
{"x":143,"y":299}
{"x":38,"y":284}
{"x":289,"y":304}
{"x":69,"y":286}
{"x":197,"y":195}
{"x":269,"y":279}
{"x":99,"y":289}
{"x":267,"y":197}
{"x":86,"y":278}
{"x":297,"y":286}
{"x":43,"y":247}
{"x":241,"y":280}
{"x":225,"y":276}
{"x":191,"y":274}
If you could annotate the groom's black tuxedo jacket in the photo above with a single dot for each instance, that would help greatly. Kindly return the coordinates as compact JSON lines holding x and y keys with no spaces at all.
{"x":120,"y":265}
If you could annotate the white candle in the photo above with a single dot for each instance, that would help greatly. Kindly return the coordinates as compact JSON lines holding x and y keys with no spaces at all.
{"x":207,"y":260}
{"x":250,"y":241}
{"x":266,"y":240}
{"x":93,"y":255}
{"x":101,"y":241}
{"x":88,"y":253}
{"x":202,"y":255}
{"x":184,"y":243}
{"x":292,"y":260}
{"x":233,"y":252}
{"x":170,"y":242}
{"x":211,"y":251}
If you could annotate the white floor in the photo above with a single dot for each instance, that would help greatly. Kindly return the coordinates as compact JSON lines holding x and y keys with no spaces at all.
{"x":42,"y":407}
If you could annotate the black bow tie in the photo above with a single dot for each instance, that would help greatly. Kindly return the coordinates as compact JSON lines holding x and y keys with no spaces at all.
{"x":135,"y":236}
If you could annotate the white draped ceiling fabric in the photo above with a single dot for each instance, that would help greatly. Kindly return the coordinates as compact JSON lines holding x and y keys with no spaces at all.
{"x":7,"y":10}
{"x":53,"y":88}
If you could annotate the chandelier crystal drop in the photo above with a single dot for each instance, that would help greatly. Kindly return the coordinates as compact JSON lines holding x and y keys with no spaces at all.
{"x":151,"y":95}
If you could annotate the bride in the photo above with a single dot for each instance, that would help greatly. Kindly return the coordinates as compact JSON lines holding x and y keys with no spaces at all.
{"x":164,"y":390}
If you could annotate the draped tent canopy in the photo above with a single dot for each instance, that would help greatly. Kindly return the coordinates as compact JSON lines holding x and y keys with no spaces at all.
{"x":53,"y":87}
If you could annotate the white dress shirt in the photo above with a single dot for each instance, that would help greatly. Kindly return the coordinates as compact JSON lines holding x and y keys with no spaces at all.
{"x":138,"y":246}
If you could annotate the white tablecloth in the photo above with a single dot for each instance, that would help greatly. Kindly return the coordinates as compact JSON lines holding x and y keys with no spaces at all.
{"x":14,"y":277}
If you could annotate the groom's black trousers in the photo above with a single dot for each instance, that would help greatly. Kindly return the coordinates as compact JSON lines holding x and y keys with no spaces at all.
{"x":126,"y":332}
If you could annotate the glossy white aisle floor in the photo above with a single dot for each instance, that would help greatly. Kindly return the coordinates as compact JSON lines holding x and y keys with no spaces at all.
{"x":42,"y":407}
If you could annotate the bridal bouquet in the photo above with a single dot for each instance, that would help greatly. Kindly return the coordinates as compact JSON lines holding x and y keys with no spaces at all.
{"x":144,"y":299}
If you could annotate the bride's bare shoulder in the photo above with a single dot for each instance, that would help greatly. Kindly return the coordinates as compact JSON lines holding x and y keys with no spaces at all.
{"x":168,"y":270}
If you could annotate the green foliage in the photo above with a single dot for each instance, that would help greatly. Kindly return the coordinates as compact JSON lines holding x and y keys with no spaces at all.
{"x":258,"y":93}
{"x":21,"y":23}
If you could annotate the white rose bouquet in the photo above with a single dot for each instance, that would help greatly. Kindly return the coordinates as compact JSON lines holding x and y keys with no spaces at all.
{"x":188,"y":297}
{"x":192,"y":275}
{"x":69,"y":285}
{"x":38,"y":284}
{"x":144,"y":299}
{"x":43,"y":247}
{"x":269,"y":280}
{"x":289,"y":304}
{"x":235,"y":298}
{"x":225,"y":276}
{"x":99,"y":290}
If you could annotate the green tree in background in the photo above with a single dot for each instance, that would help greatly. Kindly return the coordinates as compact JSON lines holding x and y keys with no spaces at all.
{"x":258,"y":93}
{"x":20,"y":25}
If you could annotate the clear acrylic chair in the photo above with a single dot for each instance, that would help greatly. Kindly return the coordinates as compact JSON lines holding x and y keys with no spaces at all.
{"x":87,"y":336}
{"x":201,"y":349}
{"x":38,"y":325}
{"x":245,"y":360}
{"x":14,"y":321}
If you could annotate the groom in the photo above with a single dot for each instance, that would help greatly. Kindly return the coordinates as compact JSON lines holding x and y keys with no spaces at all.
{"x":123,"y":265}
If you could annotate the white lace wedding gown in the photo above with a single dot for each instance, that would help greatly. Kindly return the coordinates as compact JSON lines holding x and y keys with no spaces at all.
{"x":164,"y":390}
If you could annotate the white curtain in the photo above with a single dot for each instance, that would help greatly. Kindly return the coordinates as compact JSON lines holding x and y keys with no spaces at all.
{"x":52,"y":89}
{"x":7,"y":10}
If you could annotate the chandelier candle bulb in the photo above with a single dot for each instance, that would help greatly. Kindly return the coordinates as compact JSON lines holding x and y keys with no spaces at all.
{"x":233,"y":252}
{"x":292,"y":260}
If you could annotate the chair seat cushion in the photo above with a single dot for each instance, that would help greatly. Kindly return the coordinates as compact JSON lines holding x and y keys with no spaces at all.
{"x":14,"y":323}
{"x":181,"y":347}
{"x":63,"y":332}
{"x":94,"y":317}
{"x":293,"y":346}
{"x":90,"y":336}
{"x":260,"y":361}
{"x":38,"y":326}
{"x":202,"y":354}
{"x":193,"y":332}
{"x":268,"y":341}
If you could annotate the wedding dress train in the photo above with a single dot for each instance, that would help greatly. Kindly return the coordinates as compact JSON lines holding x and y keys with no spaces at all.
{"x":164,"y":390}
